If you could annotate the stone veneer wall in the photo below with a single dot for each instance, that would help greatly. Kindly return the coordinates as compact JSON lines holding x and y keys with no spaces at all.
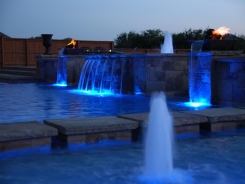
{"x":47,"y":68}
{"x":145,"y":73}
{"x":155,"y":72}
{"x":219,"y":85}
{"x":229,"y":81}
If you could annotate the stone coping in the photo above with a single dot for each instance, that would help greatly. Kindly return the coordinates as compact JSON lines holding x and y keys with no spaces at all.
{"x":91,"y":125}
{"x":231,"y":59}
{"x":180,"y":118}
{"x":25,"y":130}
{"x":215,"y":115}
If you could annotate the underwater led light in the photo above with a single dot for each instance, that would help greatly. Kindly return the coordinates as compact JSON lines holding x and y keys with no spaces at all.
{"x":196,"y":104}
{"x":93,"y":92}
{"x":61,"y":84}
{"x":138,"y":93}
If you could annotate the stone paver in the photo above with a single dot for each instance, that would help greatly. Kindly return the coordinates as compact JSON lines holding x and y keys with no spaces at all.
{"x":179,"y":118}
{"x":93,"y":129}
{"x":91,"y":125}
{"x":140,"y":117}
{"x":221,"y":119}
{"x":26,"y":130}
{"x":24,"y":135}
{"x":240,"y":107}
{"x":183,"y":122}
{"x":122,"y":127}
{"x":220,"y":114}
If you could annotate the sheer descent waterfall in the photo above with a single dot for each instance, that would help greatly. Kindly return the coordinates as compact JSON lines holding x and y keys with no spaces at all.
{"x":199,"y":74}
{"x":61,"y":71}
{"x":102,"y":74}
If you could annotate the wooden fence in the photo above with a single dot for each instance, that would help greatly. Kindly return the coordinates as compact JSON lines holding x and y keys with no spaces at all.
{"x":22,"y":52}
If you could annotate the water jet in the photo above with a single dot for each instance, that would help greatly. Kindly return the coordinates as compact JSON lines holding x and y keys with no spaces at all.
{"x":159,"y":139}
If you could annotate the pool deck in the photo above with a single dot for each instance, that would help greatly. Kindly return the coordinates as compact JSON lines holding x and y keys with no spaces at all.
{"x":122,"y":127}
{"x":92,"y":129}
{"x":25,"y":135}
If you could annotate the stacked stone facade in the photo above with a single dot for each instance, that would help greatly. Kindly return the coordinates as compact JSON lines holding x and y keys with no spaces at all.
{"x":229,"y":81}
{"x":146,"y":73}
{"x":161,"y":72}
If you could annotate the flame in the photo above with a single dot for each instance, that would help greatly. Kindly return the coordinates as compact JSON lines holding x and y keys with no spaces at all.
{"x":73,"y":42}
{"x":220,"y":32}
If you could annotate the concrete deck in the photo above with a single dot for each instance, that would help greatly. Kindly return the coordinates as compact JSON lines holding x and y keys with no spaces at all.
{"x":23,"y":135}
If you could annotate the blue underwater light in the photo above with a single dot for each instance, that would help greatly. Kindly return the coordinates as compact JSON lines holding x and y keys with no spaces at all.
{"x":196,"y":104}
{"x":93,"y":92}
{"x":60,"y":84}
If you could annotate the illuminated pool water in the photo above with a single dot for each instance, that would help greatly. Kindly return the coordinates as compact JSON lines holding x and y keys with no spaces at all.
{"x":197,"y":160}
{"x":205,"y":160}
{"x":28,"y":102}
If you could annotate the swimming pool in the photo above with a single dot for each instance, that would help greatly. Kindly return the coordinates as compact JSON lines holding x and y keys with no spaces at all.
{"x":218,"y":159}
{"x":204,"y":160}
{"x":29,"y":102}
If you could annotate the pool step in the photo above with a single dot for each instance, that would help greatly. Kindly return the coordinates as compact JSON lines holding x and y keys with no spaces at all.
{"x":183,"y":123}
{"x":94,"y":129}
{"x":122,"y":127}
{"x":25,"y":135}
{"x":207,"y":120}
{"x":23,"y":71}
{"x":13,"y":74}
{"x":221,"y":119}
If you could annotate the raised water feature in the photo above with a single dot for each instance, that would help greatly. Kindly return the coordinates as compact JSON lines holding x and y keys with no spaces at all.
{"x":145,"y":73}
{"x":158,"y":146}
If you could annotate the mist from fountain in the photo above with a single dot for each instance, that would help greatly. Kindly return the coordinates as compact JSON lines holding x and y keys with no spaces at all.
{"x":159,"y":139}
{"x":167,"y":46}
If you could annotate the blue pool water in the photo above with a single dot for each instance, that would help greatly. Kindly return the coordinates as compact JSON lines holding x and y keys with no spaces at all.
{"x":29,"y":102}
{"x":205,"y":160}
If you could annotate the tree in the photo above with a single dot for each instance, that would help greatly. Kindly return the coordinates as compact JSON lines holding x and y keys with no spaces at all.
{"x":127,"y":40}
{"x":36,"y":37}
{"x":180,"y":40}
{"x":68,"y":38}
{"x":152,"y":38}
{"x":146,"y":39}
{"x":240,"y":43}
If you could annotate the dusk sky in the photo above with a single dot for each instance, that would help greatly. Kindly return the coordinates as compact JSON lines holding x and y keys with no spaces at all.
{"x":105,"y":19}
